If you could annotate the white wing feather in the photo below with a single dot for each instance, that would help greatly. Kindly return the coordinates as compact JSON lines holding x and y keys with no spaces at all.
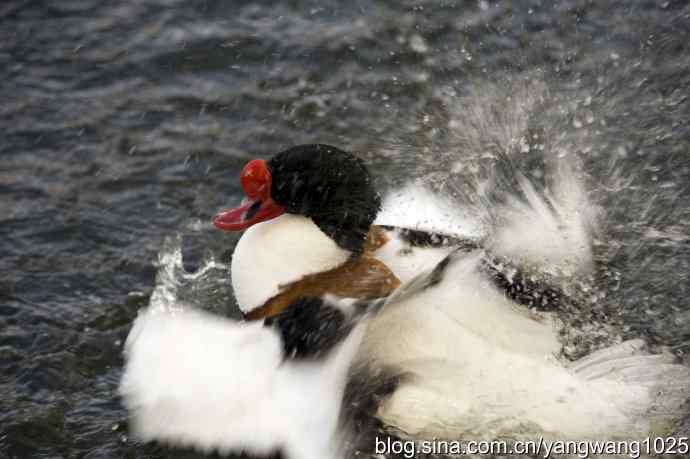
{"x":195,"y":379}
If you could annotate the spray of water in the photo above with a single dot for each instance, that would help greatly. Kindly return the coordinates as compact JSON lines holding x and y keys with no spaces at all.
{"x":176,"y":288}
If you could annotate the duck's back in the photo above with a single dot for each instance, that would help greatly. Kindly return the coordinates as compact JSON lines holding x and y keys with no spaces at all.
{"x":473,"y":358}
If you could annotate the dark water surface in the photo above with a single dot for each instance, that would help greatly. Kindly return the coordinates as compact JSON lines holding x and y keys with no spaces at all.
{"x":125,"y":123}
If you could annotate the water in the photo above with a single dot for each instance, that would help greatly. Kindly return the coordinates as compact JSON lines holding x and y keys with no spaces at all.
{"x":126,"y":123}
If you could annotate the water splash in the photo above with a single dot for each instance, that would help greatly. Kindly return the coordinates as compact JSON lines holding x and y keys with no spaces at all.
{"x":507,"y":154}
{"x":176,"y":288}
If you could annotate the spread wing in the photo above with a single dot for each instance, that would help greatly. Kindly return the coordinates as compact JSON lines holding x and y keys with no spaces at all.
{"x":199,"y":380}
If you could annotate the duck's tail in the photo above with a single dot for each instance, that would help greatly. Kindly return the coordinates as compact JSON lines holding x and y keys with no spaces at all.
{"x":652,"y":390}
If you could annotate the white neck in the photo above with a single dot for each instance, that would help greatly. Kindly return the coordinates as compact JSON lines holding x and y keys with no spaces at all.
{"x":279,"y":251}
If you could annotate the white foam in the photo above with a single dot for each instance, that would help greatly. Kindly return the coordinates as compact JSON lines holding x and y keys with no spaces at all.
{"x":549,"y":232}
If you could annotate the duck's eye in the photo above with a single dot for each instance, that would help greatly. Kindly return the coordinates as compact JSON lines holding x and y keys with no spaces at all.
{"x":256,"y":180}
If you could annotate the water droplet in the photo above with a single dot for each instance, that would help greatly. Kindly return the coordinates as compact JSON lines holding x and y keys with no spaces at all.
{"x":418,"y":44}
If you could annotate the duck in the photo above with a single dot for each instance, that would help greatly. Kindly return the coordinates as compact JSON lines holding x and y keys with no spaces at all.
{"x":339,"y":301}
{"x":197,"y":380}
